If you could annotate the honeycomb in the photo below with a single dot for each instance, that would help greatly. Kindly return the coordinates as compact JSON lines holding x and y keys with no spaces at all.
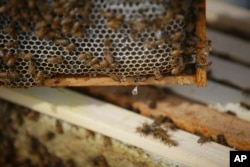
{"x":41,"y":39}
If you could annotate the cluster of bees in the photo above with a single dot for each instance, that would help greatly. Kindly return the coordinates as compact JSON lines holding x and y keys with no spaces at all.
{"x":52,"y":19}
{"x":48,"y":20}
{"x":11,"y":121}
{"x":100,"y":161}
{"x":183,"y":41}
{"x":159,"y":130}
{"x":95,"y":63}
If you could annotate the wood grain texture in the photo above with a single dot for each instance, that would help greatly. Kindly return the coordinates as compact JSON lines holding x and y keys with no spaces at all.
{"x":201,"y":58}
{"x":107,"y":81}
{"x":191,"y":116}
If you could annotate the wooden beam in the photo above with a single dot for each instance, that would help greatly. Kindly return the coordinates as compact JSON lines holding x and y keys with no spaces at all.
{"x":117,"y":123}
{"x":230,"y":46}
{"x":188,"y":115}
{"x":201,"y":58}
{"x":230,"y":72}
{"x":108,"y":81}
{"x":224,"y":16}
{"x":216,"y":95}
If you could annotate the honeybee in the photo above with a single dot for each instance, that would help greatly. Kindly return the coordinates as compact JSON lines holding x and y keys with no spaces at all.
{"x":78,"y":33}
{"x":3,"y":74}
{"x":176,"y":52}
{"x":139,"y":78}
{"x":204,"y":65}
{"x":4,"y":8}
{"x":39,"y":77}
{"x":106,"y":43}
{"x":25,"y":56}
{"x":41,"y":33}
{"x":149,"y":45}
{"x":48,"y":136}
{"x":160,"y":133}
{"x":93,"y":61}
{"x":145,"y":129}
{"x":152,"y":104}
{"x":180,"y":66}
{"x":9,"y":59}
{"x":160,"y":120}
{"x":104,"y":63}
{"x":59,"y":10}
{"x":32,"y":115}
{"x":85,"y":9}
{"x":167,"y":17}
{"x":84,"y":56}
{"x":31,"y":4}
{"x":160,"y":42}
{"x":13,"y":74}
{"x":207,"y":48}
{"x":41,"y":24}
{"x":89,"y":133}
{"x":176,"y":37}
{"x":61,"y":41}
{"x":55,"y":60}
{"x":59,"y":128}
{"x":221,"y":139}
{"x":24,"y":27}
{"x":133,"y":35}
{"x":70,"y":47}
{"x":11,"y":44}
{"x":116,"y":77}
{"x":107,"y":141}
{"x":108,"y":56}
{"x":65,"y":29}
{"x":4,"y":77}
{"x":18,"y":119}
{"x":115,"y":22}
{"x":245,"y":105}
{"x":158,"y":75}
{"x":204,"y":139}
{"x":138,"y":25}
{"x":75,"y":27}
{"x":48,"y":17}
{"x":170,"y":142}
{"x":66,"y":21}
{"x":96,"y":66}
{"x":55,"y":23}
{"x":10,"y":29}
{"x":31,"y":68}
{"x":100,"y":160}
{"x":107,"y":14}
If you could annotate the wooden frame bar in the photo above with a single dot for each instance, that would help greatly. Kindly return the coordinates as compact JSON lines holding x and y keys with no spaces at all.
{"x":117,"y":123}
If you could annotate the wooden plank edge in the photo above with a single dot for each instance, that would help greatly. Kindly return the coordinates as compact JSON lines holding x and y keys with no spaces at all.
{"x":230,"y":72}
{"x":201,"y":73}
{"x":217,"y":96}
{"x":117,"y":123}
{"x":108,"y":81}
{"x":229,"y":46}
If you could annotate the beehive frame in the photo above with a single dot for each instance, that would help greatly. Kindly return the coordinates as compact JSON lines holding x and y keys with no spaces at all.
{"x":198,"y":77}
